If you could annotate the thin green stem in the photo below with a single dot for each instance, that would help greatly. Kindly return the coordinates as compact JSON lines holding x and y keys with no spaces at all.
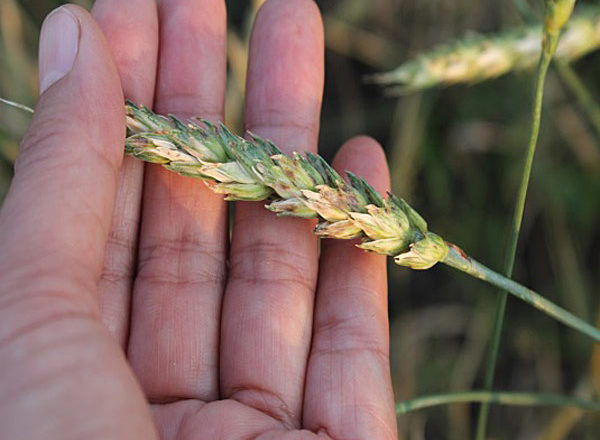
{"x":17,"y":105}
{"x":569,"y":76}
{"x":580,"y":91}
{"x":501,"y":397}
{"x":457,"y":259}
{"x":545,"y":59}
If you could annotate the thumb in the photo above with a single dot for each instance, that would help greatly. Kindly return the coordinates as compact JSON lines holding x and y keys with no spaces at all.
{"x":55,"y":219}
{"x":60,"y":366}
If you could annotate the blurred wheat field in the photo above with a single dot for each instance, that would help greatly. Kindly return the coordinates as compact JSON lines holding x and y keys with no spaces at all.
{"x":455,"y":155}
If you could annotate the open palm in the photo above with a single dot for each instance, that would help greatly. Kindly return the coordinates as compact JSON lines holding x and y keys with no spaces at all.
{"x":119,"y":283}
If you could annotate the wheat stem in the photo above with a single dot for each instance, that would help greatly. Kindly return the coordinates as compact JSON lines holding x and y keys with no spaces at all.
{"x":459,"y":260}
{"x":557,"y":13}
{"x":16,"y":105}
{"x":501,"y":397}
{"x":514,"y":239}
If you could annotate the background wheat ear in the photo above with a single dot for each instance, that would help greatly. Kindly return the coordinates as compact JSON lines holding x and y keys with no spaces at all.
{"x":480,"y":57}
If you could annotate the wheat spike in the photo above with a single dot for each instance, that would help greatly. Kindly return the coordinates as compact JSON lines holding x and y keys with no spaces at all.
{"x":300,"y":185}
{"x":306,"y":186}
{"x":478,"y":58}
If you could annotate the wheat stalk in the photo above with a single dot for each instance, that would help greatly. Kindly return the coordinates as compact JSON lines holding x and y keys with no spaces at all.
{"x":306,"y":186}
{"x":556,"y":15}
{"x":478,"y":58}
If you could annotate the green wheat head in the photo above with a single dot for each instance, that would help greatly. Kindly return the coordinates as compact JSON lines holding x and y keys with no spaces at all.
{"x":306,"y":186}
{"x":478,"y":58}
{"x":299,"y":185}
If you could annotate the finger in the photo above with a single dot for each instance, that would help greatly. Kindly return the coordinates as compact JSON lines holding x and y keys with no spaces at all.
{"x":268,"y":302}
{"x":59,"y":207}
{"x":59,"y":364}
{"x":131,"y":29}
{"x":179,"y":285}
{"x":348,"y":384}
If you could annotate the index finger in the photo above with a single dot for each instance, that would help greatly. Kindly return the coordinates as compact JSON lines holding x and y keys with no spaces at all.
{"x":131,"y":30}
{"x":268,"y":304}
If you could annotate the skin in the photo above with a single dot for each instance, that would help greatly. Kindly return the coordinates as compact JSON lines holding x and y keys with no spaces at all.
{"x":125,"y":310}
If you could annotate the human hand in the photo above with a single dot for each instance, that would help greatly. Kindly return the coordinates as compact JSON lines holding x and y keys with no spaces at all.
{"x":225,"y":340}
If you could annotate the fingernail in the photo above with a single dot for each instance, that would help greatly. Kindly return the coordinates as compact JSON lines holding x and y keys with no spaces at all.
{"x":59,"y":43}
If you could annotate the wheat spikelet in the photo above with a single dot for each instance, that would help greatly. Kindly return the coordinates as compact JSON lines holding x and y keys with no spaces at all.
{"x":478,"y":58}
{"x":301,"y":186}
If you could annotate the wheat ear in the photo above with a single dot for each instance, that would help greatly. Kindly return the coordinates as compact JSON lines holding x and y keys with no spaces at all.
{"x":479,"y":57}
{"x":306,"y":186}
{"x":300,"y":186}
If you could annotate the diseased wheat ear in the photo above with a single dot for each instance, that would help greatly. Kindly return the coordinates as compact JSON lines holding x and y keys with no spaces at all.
{"x":306,"y":186}
{"x":478,"y":58}
{"x":300,"y":185}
